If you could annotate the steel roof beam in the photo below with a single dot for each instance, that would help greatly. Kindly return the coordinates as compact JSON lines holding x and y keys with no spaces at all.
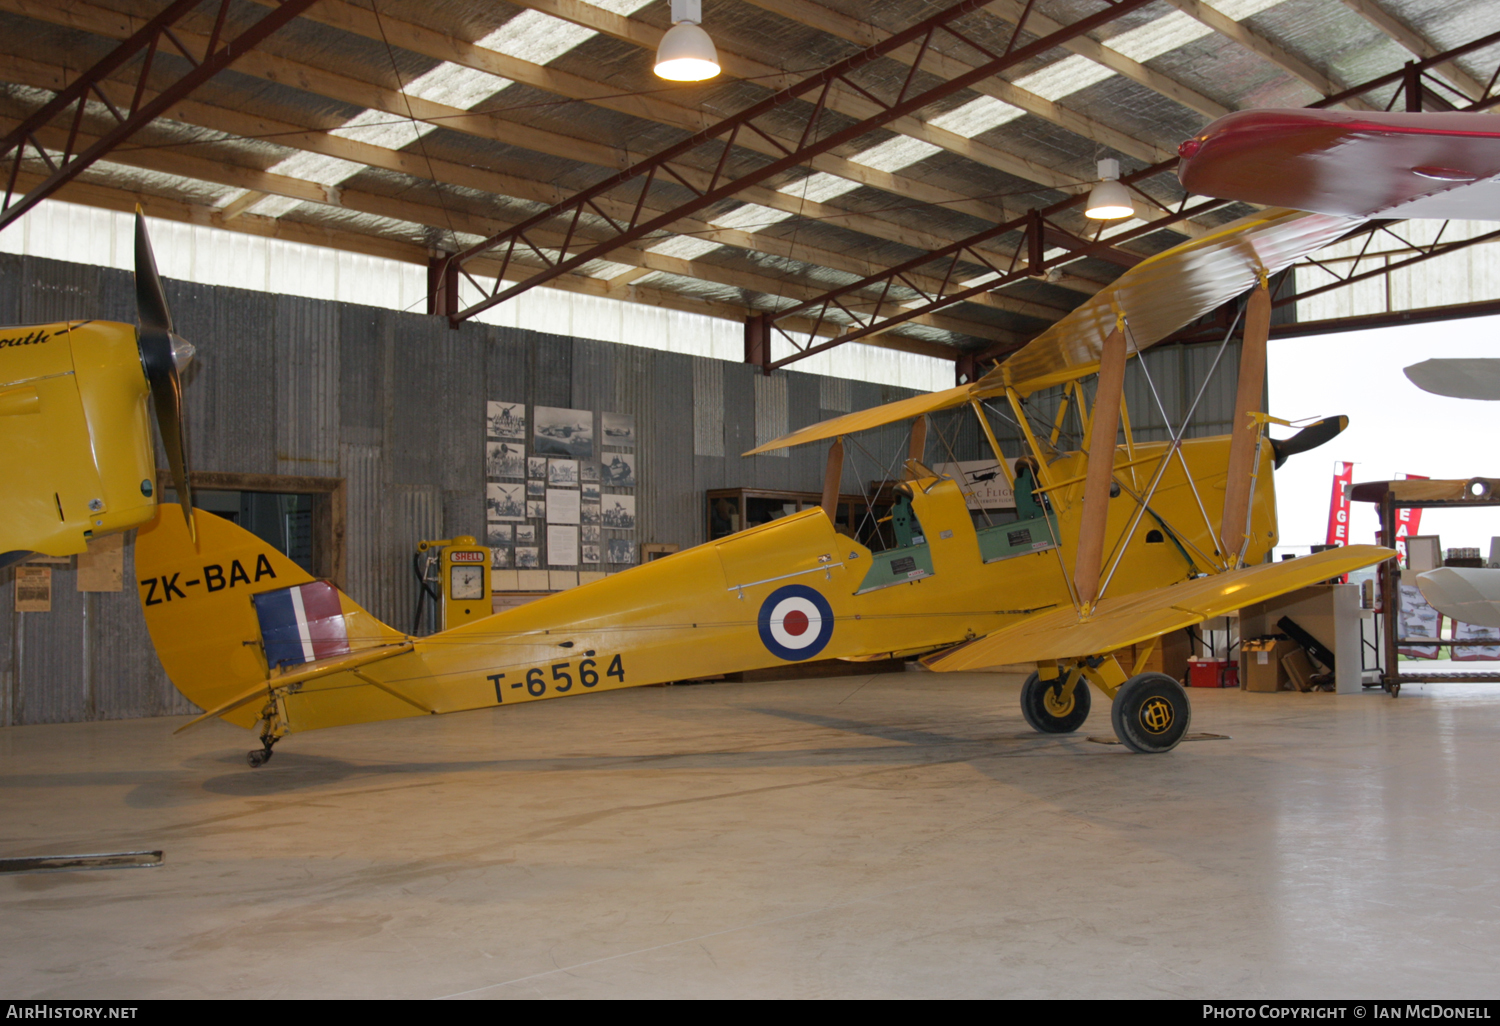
{"x":723,"y":182}
{"x":1036,"y":232}
{"x":153,"y":37}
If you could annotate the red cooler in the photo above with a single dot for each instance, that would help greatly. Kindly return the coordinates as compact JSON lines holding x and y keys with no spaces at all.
{"x":1213,"y":673}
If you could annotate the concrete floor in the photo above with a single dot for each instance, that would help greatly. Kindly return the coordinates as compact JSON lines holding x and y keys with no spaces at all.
{"x":897,"y":836}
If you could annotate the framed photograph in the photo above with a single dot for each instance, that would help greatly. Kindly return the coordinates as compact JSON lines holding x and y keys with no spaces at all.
{"x":588,"y":471}
{"x":588,"y":513}
{"x":562,"y":506}
{"x":656,"y":550}
{"x":619,"y":513}
{"x":505,"y":420}
{"x":504,"y":459}
{"x":589,"y":553}
{"x":622,"y":550}
{"x":589,"y":534}
{"x":619,"y":429}
{"x":498,"y":535}
{"x":559,"y":432}
{"x":562,"y":545}
{"x":499,"y":559}
{"x":591,"y":491}
{"x":536,"y":489}
{"x":525,"y":534}
{"x":619,"y":470}
{"x":562,"y":473}
{"x":536,"y":509}
{"x":505,"y":501}
{"x":528,"y":557}
{"x":536,"y":467}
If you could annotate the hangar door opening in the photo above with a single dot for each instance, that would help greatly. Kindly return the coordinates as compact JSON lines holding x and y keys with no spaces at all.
{"x":282,"y":520}
{"x":301,"y":517}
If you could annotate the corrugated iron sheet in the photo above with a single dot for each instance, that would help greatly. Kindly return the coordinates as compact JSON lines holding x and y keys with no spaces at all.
{"x":708,"y":407}
{"x":394,"y":404}
{"x":307,"y":387}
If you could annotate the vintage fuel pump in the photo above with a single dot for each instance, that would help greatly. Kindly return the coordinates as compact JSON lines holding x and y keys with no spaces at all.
{"x":462,"y":579}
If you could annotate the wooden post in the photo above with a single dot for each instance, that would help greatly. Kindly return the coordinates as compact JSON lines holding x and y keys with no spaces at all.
{"x":1243,"y":430}
{"x":832,"y":477}
{"x":1105,"y":424}
{"x":916,"y":447}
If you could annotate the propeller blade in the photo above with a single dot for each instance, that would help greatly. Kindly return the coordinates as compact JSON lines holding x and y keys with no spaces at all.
{"x":159,"y":358}
{"x":150,"y":301}
{"x":1310,"y":437}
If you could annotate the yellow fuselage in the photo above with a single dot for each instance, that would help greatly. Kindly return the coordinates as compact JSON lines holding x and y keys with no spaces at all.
{"x":75,"y":436}
{"x":703,"y":611}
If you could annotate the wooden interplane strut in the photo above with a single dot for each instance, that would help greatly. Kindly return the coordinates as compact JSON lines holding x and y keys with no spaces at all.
{"x":1101,"y":468}
{"x":69,"y":105}
{"x":1245,"y":432}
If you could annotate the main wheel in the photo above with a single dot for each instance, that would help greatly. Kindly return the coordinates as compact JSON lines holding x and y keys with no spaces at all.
{"x":1045,"y":708}
{"x":1151,"y":713}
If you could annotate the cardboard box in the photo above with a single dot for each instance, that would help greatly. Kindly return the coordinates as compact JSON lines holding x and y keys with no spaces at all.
{"x":1299,"y":668}
{"x":1261,"y":668}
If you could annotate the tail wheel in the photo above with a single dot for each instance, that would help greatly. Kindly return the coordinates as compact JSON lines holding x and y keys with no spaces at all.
{"x":1151,"y":713}
{"x":1048,"y":710}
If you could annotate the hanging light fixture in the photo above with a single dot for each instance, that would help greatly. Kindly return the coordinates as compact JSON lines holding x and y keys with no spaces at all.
{"x":1109,"y":201}
{"x":686,"y":52}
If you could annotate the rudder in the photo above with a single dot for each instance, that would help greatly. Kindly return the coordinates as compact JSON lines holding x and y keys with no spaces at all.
{"x":223,"y":610}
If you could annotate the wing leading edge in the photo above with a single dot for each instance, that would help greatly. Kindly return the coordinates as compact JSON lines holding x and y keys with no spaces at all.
{"x":1131,"y":619}
{"x":1156,"y":297}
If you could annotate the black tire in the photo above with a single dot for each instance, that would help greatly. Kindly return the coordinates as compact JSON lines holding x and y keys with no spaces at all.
{"x":1151,"y":713}
{"x":1042,"y":710}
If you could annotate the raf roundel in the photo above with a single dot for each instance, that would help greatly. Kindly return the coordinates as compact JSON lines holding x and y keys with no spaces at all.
{"x":795,"y":622}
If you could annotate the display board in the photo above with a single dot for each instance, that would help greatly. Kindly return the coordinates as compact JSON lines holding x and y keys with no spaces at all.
{"x":566,"y":500}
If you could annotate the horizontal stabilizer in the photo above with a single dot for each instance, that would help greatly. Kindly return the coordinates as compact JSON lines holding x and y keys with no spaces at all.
{"x":1131,"y":619}
{"x":309,"y":671}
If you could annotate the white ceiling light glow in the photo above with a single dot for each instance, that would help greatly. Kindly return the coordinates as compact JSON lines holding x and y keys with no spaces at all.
{"x":1109,"y":200}
{"x":686,"y":53}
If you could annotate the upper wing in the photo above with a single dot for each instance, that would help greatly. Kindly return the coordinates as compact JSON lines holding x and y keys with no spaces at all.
{"x":1156,"y":297}
{"x":860,"y":420}
{"x":1471,"y":378}
{"x":1362,"y":164}
{"x":1144,"y":615}
{"x":1164,"y":292}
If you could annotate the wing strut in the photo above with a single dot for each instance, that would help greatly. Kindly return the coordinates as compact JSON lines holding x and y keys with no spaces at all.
{"x":832,"y":478}
{"x":1242,"y":446}
{"x":1101,"y":466}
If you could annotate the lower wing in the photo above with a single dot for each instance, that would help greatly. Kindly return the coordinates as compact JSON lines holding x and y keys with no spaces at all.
{"x":1130,"y":619}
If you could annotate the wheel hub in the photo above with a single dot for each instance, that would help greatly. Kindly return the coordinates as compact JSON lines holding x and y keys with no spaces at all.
{"x":1157,"y":715}
{"x":1056,"y":703}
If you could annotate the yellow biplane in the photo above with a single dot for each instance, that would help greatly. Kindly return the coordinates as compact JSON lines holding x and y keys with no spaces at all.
{"x":77,"y":457}
{"x":1115,"y":545}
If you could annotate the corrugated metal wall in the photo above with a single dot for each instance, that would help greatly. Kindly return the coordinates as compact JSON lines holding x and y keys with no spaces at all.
{"x":394,"y":404}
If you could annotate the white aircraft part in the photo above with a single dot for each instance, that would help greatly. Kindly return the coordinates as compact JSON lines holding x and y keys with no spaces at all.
{"x":1471,"y":378}
{"x":1468,"y":594}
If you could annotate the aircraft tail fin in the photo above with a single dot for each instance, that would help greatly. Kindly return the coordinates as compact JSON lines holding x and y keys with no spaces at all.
{"x":227,"y":609}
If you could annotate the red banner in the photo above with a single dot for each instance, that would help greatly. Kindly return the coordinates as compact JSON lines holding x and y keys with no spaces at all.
{"x":1408,"y":521}
{"x":1338,"y":504}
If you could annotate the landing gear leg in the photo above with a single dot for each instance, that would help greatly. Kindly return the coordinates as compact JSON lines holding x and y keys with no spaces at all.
{"x":275,"y":729}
